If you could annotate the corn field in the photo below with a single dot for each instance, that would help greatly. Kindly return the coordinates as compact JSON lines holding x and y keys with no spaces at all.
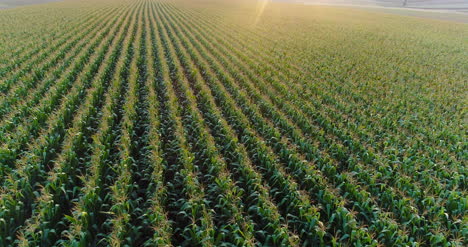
{"x":230,"y":123}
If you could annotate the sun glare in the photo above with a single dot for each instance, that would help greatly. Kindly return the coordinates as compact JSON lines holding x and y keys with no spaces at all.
{"x":261,"y":5}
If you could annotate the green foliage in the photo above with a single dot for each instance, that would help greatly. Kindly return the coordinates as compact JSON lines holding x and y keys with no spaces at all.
{"x":185,"y":123}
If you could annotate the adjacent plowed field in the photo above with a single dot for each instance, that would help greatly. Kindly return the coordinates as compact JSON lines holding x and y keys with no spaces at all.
{"x":230,"y":123}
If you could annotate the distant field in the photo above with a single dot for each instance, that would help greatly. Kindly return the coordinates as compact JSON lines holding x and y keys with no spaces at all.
{"x":434,"y":4}
{"x":446,"y":15}
{"x":451,"y":10}
{"x":16,"y":3}
{"x":231,"y":123}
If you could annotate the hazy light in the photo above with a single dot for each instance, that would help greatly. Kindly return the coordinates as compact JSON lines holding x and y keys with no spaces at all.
{"x":261,"y":5}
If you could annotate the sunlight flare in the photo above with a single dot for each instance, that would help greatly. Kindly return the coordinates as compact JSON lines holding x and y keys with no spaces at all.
{"x":261,"y":5}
